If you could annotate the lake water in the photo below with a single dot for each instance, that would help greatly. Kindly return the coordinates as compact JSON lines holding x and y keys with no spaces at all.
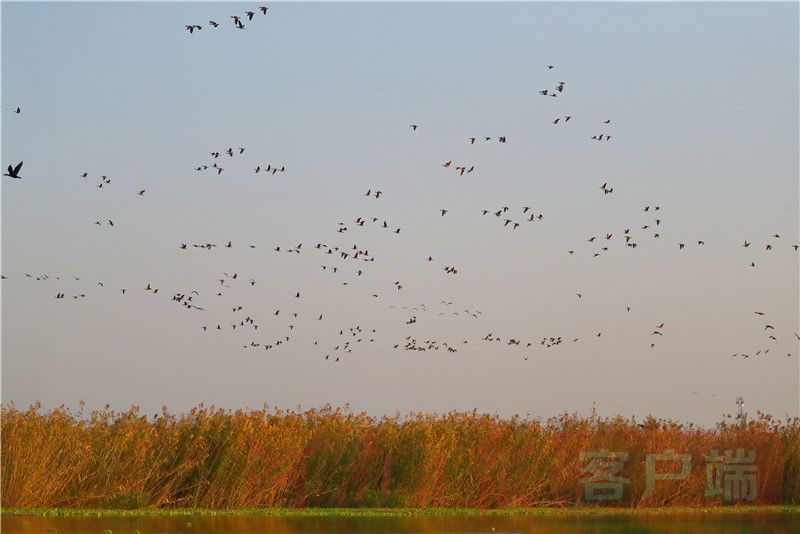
{"x":699,"y":523}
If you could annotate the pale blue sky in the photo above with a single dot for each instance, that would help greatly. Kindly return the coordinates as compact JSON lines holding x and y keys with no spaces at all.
{"x":704,"y":104}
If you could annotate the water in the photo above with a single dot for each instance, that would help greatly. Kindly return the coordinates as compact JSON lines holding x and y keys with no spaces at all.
{"x":698,"y":523}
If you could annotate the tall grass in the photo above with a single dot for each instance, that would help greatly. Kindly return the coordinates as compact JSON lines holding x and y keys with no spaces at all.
{"x":213,"y":458}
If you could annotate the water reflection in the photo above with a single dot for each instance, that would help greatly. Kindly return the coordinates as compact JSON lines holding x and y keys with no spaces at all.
{"x":767,"y":523}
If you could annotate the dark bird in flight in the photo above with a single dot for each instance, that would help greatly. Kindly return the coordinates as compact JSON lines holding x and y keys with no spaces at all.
{"x":17,"y":111}
{"x":193,"y":27}
{"x":215,"y":24}
{"x":14,"y":172}
{"x":249,"y":15}
{"x":263,"y":9}
{"x":414,"y":127}
{"x":141,"y":193}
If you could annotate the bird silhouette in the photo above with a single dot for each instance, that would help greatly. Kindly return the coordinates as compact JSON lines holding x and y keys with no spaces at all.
{"x":14,"y":172}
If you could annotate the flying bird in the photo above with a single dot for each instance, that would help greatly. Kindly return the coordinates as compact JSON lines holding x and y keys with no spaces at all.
{"x":14,"y":172}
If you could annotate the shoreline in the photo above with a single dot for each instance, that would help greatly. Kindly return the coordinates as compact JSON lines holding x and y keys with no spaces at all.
{"x":404,"y":512}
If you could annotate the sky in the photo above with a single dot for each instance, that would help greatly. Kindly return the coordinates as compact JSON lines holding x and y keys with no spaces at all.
{"x":703,"y":103}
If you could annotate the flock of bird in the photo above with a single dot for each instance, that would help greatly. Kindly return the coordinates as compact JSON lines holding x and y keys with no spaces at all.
{"x":271,"y":168}
{"x":350,"y":262}
{"x":502,"y":211}
{"x":460,"y":169}
{"x":237,"y":20}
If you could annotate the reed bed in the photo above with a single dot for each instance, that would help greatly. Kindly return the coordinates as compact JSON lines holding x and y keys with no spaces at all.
{"x":331,"y":458}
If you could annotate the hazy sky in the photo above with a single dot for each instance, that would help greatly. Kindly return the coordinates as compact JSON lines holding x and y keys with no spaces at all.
{"x":703,"y":102}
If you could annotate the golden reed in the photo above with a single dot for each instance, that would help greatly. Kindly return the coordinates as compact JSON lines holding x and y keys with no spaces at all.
{"x":213,"y":458}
